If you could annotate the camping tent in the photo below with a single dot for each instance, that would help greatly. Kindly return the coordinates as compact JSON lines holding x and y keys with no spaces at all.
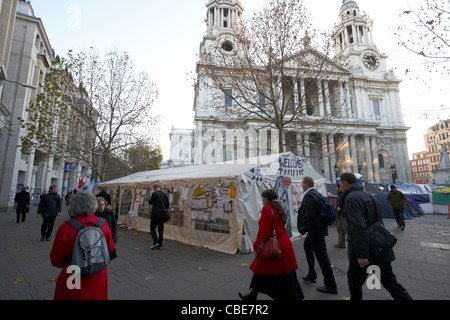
{"x":414,"y":194}
{"x":213,"y":204}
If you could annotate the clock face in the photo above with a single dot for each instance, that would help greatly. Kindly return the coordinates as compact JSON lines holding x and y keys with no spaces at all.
{"x":227,"y":46}
{"x":371,"y":61}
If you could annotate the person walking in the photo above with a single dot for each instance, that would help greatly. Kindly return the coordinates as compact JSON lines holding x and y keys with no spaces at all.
{"x":397,"y":200}
{"x":103,"y":194}
{"x":160,"y":203}
{"x":315,"y":244}
{"x":362,"y":210}
{"x":105,"y":212}
{"x":94,"y":286}
{"x":49,"y":208}
{"x":341,"y":221}
{"x":277,"y":278}
{"x":22,"y":199}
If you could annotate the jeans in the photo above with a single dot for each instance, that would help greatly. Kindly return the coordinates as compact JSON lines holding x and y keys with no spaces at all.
{"x":157,"y":222}
{"x":356,"y":277}
{"x":316,"y":246}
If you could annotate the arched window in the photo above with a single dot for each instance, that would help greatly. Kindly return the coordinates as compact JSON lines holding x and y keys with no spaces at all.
{"x":381,"y":160}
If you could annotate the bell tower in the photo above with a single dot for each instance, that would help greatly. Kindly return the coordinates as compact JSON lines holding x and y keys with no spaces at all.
{"x":223,"y":17}
{"x":354,"y":29}
{"x":353,"y":40}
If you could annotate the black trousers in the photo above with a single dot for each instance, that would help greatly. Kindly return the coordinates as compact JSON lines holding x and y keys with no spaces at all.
{"x":47,"y":226}
{"x":22,"y":213}
{"x":316,"y":246}
{"x":356,"y":277}
{"x":154,"y":223}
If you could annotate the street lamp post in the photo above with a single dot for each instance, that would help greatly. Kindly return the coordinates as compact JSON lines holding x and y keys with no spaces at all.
{"x":393,"y":171}
{"x":336,"y":170}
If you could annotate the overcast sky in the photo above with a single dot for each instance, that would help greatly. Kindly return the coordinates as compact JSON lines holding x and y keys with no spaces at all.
{"x":163,"y":39}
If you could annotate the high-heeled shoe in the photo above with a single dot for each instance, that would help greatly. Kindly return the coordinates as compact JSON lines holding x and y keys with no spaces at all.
{"x":252,"y":295}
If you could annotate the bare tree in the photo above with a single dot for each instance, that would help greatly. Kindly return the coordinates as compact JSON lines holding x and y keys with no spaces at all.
{"x":271,"y":71}
{"x":426,"y":32}
{"x":91,"y":109}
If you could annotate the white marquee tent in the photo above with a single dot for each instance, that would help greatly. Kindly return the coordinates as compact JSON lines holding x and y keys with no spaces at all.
{"x":213,"y":204}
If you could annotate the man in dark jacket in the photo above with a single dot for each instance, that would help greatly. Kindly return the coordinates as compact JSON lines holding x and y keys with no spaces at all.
{"x":397,"y":200}
{"x":362,"y":210}
{"x":315,"y":244}
{"x":49,"y":208}
{"x":23,"y":204}
{"x":160,"y":203}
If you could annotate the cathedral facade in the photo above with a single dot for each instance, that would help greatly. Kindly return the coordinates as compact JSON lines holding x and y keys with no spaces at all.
{"x":355,"y":107}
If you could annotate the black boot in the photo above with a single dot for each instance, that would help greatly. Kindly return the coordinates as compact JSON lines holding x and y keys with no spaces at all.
{"x":250,"y":296}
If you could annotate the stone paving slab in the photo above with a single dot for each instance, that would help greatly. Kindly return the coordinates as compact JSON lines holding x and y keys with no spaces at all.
{"x":184,"y":272}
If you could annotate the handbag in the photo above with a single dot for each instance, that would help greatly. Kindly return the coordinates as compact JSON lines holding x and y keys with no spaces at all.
{"x":380,"y":241}
{"x":166,"y":212}
{"x":270,"y":249}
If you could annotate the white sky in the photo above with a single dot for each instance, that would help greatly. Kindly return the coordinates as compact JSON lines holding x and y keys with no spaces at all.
{"x":163,"y":39}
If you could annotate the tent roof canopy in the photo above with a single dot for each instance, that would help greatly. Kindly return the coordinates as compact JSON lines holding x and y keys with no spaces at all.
{"x":220,"y":173}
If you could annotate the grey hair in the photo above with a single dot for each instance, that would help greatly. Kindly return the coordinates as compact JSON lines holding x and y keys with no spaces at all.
{"x":82,"y":204}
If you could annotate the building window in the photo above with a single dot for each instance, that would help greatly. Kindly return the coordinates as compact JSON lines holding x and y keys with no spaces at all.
{"x":262,"y":101}
{"x":376,"y":107}
{"x":381,"y":160}
{"x":228,"y":98}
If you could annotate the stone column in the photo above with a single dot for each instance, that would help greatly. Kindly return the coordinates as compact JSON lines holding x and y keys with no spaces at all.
{"x":342,"y":106}
{"x":327,"y":99}
{"x":353,"y":154}
{"x":307,"y":148}
{"x":369,"y":161}
{"x":332,"y":153}
{"x":348,"y":109}
{"x":320,"y":92}
{"x":375,"y":161}
{"x":325,"y":159}
{"x":301,"y":98}
{"x":347,"y":158}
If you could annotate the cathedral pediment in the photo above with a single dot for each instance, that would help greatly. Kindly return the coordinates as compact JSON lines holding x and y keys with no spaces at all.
{"x":313,"y":60}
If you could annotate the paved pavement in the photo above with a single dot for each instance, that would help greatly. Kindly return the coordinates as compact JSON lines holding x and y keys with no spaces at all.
{"x":184,"y":272}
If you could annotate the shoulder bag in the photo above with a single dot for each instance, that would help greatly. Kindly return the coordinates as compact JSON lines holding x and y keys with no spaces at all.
{"x":166,"y":212}
{"x":381,"y":240}
{"x":270,"y":249}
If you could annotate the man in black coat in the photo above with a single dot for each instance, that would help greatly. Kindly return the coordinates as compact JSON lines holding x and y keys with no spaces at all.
{"x":160,"y":203}
{"x":23,"y":204}
{"x":49,"y":208}
{"x":315,"y":244}
{"x":362,"y":210}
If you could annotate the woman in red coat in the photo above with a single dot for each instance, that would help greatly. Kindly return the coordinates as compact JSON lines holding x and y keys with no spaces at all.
{"x":276,"y":278}
{"x":95,"y":286}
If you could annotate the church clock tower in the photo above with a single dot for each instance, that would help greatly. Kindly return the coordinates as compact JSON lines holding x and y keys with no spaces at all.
{"x":374,"y":94}
{"x":223,"y":21}
{"x":354,"y":43}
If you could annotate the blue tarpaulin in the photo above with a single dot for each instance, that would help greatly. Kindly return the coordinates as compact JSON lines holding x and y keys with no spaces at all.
{"x":414,"y":194}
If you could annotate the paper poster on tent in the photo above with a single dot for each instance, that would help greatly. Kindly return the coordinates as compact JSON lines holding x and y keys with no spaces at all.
{"x":291,"y":165}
